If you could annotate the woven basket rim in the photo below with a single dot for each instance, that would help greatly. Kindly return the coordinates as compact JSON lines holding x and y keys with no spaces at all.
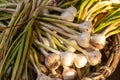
{"x":106,"y":70}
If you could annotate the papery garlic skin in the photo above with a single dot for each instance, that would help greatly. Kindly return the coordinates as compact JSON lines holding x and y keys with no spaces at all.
{"x":43,"y":77}
{"x":46,"y":42}
{"x":72,"y":10}
{"x":69,"y":73}
{"x":67,"y":58}
{"x":70,"y":48}
{"x":52,"y":61}
{"x":67,"y":16}
{"x":94,"y":57}
{"x":86,"y":26}
{"x":83,"y":39}
{"x":80,"y":60}
{"x":98,"y":41}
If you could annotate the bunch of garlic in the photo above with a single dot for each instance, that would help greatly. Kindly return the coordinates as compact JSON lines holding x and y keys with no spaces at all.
{"x":81,"y":35}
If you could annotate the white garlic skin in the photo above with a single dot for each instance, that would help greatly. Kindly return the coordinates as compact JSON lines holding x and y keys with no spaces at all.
{"x":46,"y":42}
{"x":69,"y":74}
{"x":83,"y":39}
{"x":52,"y":61}
{"x":72,"y":10}
{"x":70,"y":48}
{"x":42,"y":76}
{"x":86,"y":26}
{"x":98,"y":41}
{"x":80,"y":60}
{"x":67,"y":16}
{"x":94,"y":57}
{"x":67,"y":58}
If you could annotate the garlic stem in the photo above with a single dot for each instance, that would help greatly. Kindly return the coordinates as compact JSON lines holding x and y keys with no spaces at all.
{"x":38,"y":2}
{"x":8,"y":5}
{"x":44,"y":52}
{"x":44,"y":3}
{"x":9,"y":10}
{"x":66,"y":41}
{"x":55,"y":8}
{"x":72,"y":31}
{"x":36,"y":58}
{"x":67,"y":23}
{"x":33,"y":62}
{"x":70,"y":9}
{"x":38,"y":72}
{"x":13,"y":19}
{"x":111,"y":27}
{"x":64,"y":16}
{"x":82,"y":39}
{"x":96,"y":7}
{"x":42,"y":39}
{"x":58,"y":30}
{"x":112,"y":33}
{"x":52,"y":16}
{"x":36,"y":42}
{"x":59,"y":44}
{"x":51,"y":41}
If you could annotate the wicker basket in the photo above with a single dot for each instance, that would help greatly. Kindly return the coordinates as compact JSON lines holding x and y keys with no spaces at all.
{"x":113,"y":54}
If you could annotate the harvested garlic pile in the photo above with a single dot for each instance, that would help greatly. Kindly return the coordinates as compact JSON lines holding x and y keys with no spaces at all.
{"x":55,"y":39}
{"x":83,"y":39}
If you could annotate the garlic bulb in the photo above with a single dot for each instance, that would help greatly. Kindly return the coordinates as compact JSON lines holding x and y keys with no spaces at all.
{"x":42,"y":76}
{"x":86,"y":26}
{"x":98,"y":40}
{"x":94,"y":57}
{"x":67,"y":58}
{"x":72,"y":10}
{"x":70,"y":48}
{"x":83,"y":39}
{"x":67,"y":16}
{"x":80,"y":60}
{"x":69,"y":73}
{"x":52,"y":61}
